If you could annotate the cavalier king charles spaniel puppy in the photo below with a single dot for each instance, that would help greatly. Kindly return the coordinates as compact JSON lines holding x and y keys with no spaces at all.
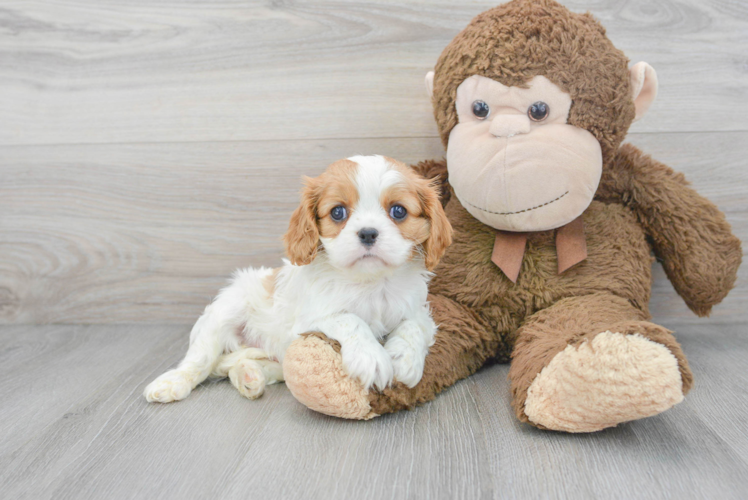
{"x":361,"y":247}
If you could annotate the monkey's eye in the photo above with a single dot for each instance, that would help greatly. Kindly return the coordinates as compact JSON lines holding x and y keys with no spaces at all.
{"x":398,"y":212}
{"x":538,"y":111}
{"x":339,"y":213}
{"x":480,"y":109}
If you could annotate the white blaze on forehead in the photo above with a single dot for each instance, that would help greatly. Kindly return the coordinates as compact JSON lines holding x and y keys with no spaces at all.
{"x":373,"y":176}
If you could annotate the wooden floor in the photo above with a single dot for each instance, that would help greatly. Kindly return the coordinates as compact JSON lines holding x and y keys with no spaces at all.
{"x":75,"y":425}
{"x":148,"y":149}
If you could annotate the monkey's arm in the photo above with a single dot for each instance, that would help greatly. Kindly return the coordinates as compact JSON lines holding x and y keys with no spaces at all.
{"x":689,"y":233}
{"x":314,"y":371}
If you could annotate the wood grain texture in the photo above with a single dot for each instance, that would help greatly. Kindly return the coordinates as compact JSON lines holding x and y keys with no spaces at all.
{"x":151,"y":149}
{"x":78,"y":427}
{"x":656,"y":457}
{"x":150,"y":232}
{"x":133,"y":233}
{"x":148,"y":149}
{"x":115,"y":71}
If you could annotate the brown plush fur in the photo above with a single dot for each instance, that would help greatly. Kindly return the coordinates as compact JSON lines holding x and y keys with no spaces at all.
{"x":641,"y":206}
{"x":519,"y":40}
{"x":462,"y":345}
{"x":571,"y":321}
{"x":689,"y":234}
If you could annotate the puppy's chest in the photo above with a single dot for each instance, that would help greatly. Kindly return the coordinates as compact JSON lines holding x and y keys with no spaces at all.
{"x":383,"y":309}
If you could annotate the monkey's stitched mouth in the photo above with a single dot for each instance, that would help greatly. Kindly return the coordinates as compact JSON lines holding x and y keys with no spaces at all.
{"x":520,"y":211}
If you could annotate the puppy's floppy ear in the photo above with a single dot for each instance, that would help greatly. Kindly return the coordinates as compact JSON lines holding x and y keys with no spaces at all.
{"x":440,"y":234}
{"x":302,"y":238}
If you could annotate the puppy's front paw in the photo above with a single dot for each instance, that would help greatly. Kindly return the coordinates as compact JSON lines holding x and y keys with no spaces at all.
{"x":407,"y":361}
{"x":173,"y":385}
{"x":369,"y":363}
{"x":248,"y":378}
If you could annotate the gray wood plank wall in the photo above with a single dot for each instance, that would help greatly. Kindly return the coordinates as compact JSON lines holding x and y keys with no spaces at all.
{"x":148,"y":149}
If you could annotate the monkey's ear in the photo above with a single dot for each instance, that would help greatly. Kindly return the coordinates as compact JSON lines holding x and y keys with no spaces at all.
{"x":643,"y":87}
{"x":430,"y":83}
{"x":302,"y":238}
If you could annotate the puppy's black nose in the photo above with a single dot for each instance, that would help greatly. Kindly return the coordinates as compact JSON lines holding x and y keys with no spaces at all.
{"x":368,"y":236}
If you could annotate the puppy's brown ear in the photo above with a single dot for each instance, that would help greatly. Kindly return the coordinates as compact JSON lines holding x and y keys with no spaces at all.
{"x":302,"y":238}
{"x":440,"y":234}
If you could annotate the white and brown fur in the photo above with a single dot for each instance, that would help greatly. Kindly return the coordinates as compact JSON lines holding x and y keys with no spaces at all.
{"x":355,"y":293}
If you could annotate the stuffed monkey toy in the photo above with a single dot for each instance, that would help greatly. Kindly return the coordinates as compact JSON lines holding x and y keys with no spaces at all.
{"x":555,"y":223}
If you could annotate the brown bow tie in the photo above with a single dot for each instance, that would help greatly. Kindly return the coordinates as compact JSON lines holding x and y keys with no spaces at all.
{"x":509,"y":248}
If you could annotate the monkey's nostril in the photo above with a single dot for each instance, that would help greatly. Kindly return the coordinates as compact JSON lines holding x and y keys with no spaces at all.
{"x":368,"y":236}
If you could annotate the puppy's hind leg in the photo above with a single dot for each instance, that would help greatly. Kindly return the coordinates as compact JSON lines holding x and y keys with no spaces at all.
{"x":249,"y":370}
{"x":215,"y":332}
{"x":207,"y":342}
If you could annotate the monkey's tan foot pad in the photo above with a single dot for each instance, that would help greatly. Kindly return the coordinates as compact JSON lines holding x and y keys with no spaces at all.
{"x":602,"y":382}
{"x":313,"y":369}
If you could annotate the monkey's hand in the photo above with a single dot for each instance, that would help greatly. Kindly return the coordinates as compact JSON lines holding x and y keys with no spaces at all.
{"x":436,"y":170}
{"x":689,"y":233}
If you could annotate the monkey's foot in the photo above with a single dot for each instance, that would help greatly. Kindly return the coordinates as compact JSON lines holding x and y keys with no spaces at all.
{"x":314,"y":373}
{"x":602,"y":382}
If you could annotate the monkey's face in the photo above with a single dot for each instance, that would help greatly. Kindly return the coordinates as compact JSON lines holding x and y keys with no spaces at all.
{"x":514,"y":162}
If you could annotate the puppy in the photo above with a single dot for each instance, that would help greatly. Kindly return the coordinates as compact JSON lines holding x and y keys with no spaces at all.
{"x":361,"y":246}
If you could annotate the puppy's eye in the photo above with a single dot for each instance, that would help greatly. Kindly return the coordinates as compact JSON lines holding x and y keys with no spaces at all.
{"x":339,"y":213}
{"x":480,"y":109}
{"x":538,"y":111}
{"x":398,"y":212}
